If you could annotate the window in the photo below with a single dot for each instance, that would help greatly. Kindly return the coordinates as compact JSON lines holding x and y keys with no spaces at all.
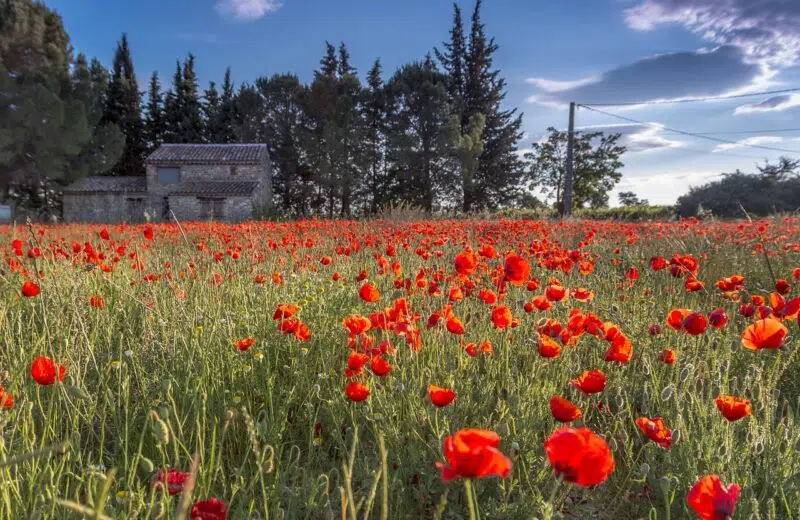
{"x":212,"y":209}
{"x":168,"y":175}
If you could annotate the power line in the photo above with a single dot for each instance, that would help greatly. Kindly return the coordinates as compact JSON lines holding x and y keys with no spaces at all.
{"x":692,"y":134}
{"x":772,"y":131}
{"x":693,"y":100}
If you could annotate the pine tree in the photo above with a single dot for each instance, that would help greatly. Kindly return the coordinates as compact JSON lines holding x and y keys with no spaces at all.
{"x":192,"y":119}
{"x":123,"y":108}
{"x":173,"y":108}
{"x":344,"y":67}
{"x":500,"y":170}
{"x":211,"y":112}
{"x":154,"y":121}
{"x":329,"y":65}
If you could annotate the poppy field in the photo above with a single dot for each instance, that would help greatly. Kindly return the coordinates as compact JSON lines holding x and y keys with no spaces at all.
{"x":392,"y":370}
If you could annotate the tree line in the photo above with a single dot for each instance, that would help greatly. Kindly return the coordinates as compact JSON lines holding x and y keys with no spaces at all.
{"x":433,"y":135}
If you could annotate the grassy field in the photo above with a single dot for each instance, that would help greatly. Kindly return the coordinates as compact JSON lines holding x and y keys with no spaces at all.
{"x":223,"y":352}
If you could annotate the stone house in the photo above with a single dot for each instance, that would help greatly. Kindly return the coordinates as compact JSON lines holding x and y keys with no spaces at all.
{"x":193,"y":181}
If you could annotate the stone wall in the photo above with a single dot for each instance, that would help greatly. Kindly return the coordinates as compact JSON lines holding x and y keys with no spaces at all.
{"x":104,"y":207}
{"x":188,"y":207}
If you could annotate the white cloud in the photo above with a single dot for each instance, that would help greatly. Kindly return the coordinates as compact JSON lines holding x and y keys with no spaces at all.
{"x":553,"y":85}
{"x":637,"y":137}
{"x":750,"y":141}
{"x":663,"y":188}
{"x":773,"y":104}
{"x":246,"y":10}
{"x":767,"y":31}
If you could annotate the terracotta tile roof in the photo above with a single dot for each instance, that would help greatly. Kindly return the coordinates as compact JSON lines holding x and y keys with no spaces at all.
{"x":209,"y":154}
{"x":216,"y":188}
{"x":108,"y":185}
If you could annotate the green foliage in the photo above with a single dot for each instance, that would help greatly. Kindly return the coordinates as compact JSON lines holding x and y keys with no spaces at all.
{"x":596,"y":167}
{"x":154,"y":123}
{"x":775,"y":189}
{"x":624,"y":213}
{"x":629,"y":198}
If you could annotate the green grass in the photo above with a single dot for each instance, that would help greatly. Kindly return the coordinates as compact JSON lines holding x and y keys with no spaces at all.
{"x":157,"y":361}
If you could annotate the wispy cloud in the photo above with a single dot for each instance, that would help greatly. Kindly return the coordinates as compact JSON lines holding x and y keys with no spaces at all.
{"x":750,"y":141}
{"x":553,"y":85}
{"x":637,"y":137}
{"x":767,"y":31}
{"x":247,"y":10}
{"x":773,"y":104}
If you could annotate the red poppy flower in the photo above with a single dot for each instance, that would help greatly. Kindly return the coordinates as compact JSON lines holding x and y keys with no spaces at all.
{"x":658,"y":263}
{"x":466,"y":263}
{"x":454,"y":325}
{"x":656,"y":431}
{"x":357,"y":391}
{"x":747,"y":310}
{"x":244,"y":344}
{"x":501,"y":317}
{"x":734,"y":408}
{"x":768,"y":333}
{"x":548,"y":347}
{"x":580,"y":456}
{"x":564,"y":410}
{"x":209,"y":509}
{"x":517,"y":269}
{"x":44,"y":371}
{"x":590,"y":382}
{"x":357,"y":360}
{"x":675,"y":318}
{"x":712,"y":500}
{"x":668,"y":356}
{"x":654,"y":329}
{"x":632,"y":274}
{"x":473,"y":453}
{"x":555,"y":293}
{"x":30,"y":289}
{"x":380,"y":367}
{"x":97,"y":302}
{"x":285,"y":311}
{"x":369,"y":293}
{"x":621,"y":350}
{"x":148,"y":233}
{"x":487,"y":296}
{"x":695,"y":324}
{"x":782,"y":286}
{"x":542,"y":303}
{"x":718,"y":318}
{"x":441,"y":397}
{"x":173,"y":479}
{"x":356,"y":325}
{"x":582,"y":295}
{"x":455,"y":294}
{"x":6,"y":399}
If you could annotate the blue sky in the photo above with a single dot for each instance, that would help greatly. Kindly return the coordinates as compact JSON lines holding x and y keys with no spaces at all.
{"x":551,"y":52}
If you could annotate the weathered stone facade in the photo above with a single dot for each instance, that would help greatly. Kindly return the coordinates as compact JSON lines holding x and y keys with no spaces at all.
{"x":197,"y":182}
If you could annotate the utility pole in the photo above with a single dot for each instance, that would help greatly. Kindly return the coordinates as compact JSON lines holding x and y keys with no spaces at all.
{"x":568,"y":177}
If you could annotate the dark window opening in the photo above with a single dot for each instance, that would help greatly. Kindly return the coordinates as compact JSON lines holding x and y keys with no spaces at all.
{"x":212,"y":208}
{"x":165,"y":208}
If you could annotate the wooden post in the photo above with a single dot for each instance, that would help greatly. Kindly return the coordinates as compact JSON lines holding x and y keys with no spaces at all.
{"x":568,"y":177}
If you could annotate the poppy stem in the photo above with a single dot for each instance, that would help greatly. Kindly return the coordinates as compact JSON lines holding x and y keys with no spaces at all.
{"x":470,"y":499}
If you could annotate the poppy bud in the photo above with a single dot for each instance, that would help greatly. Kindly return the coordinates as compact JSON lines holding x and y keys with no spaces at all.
{"x":644,"y":469}
{"x":146,"y":465}
{"x":160,"y":429}
{"x":685,"y":372}
{"x":515,"y":450}
{"x":665,"y":483}
{"x":666,"y":393}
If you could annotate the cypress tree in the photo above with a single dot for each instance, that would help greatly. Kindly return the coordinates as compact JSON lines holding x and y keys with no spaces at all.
{"x":224,"y":128}
{"x":173,"y":108}
{"x":154,"y":121}
{"x":123,"y":108}
{"x":211,"y":112}
{"x":192,"y":119}
{"x":453,"y":61}
{"x":375,"y":114}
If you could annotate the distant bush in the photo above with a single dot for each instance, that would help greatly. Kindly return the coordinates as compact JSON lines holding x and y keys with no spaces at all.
{"x":758,"y":195}
{"x":628,"y":213}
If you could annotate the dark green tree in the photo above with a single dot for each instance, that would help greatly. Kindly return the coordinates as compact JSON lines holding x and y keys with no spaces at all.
{"x":248,"y":115}
{"x":596,"y":167}
{"x":453,"y":60}
{"x":421,"y":137}
{"x":293,"y":182}
{"x":173,"y":108}
{"x":123,"y":108}
{"x":211,"y":113}
{"x":44,"y":126}
{"x":374,"y":113}
{"x":192,"y":118}
{"x":500,"y":171}
{"x":227,"y":105}
{"x":629,"y":198}
{"x":154,"y":122}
